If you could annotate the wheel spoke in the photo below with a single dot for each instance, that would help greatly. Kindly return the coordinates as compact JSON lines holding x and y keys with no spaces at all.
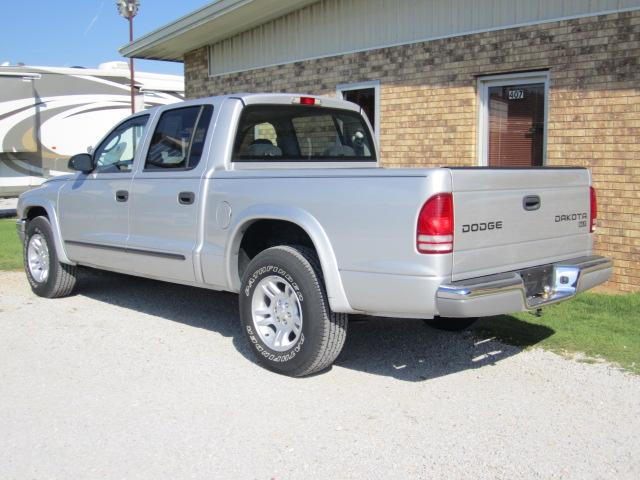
{"x":281,"y":336}
{"x":264,"y":322}
{"x":273,"y":287}
{"x":267,"y":292}
{"x":263,"y":311}
{"x":266,"y":289}
{"x":291,"y":295}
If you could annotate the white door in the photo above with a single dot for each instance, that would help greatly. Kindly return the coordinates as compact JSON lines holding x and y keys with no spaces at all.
{"x":512,"y":119}
{"x":94,"y":207}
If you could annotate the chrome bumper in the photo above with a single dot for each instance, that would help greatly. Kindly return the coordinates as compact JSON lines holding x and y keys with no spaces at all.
{"x":507,"y":293}
{"x":21,"y":227}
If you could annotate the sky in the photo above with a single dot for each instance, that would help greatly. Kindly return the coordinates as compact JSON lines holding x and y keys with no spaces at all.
{"x":83,"y":32}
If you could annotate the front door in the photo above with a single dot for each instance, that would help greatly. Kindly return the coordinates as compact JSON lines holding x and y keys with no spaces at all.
{"x":166,"y":193}
{"x":94,"y":208}
{"x":514,"y":122}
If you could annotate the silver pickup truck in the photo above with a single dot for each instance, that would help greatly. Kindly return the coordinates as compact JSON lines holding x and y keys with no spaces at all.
{"x":280,"y":198}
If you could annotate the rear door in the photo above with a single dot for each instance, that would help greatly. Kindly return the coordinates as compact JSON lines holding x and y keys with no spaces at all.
{"x":506,"y":219}
{"x":165,"y":194}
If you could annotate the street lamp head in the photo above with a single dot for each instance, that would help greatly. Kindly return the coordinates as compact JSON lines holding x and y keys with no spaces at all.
{"x":128,"y":8}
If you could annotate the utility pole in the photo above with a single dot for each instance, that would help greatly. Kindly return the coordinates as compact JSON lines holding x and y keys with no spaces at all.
{"x":128,"y":9}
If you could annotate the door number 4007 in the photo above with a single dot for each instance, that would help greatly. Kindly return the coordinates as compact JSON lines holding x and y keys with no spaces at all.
{"x":516,"y":94}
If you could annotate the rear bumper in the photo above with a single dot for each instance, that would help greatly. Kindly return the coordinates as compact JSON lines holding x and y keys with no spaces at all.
{"x":506,"y":292}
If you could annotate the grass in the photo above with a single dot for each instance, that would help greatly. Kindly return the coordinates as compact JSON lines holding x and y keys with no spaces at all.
{"x":594,"y":324}
{"x":10,"y":248}
{"x":598,"y":325}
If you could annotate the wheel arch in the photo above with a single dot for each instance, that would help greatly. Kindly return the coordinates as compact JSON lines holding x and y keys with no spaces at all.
{"x":31,"y":209}
{"x":312,"y":228}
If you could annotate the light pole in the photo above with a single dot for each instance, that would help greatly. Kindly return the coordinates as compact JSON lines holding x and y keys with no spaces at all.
{"x":128,"y":9}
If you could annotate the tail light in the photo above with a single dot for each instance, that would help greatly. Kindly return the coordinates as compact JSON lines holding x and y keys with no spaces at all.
{"x":593,"y":209}
{"x":435,"y":225}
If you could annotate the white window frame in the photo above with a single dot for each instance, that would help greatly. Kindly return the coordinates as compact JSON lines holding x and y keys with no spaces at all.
{"x":503,"y":80}
{"x":375,"y":84}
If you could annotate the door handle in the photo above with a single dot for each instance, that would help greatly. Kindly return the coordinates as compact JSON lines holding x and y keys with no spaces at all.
{"x":531,"y":202}
{"x":186,"y":198}
{"x":122,"y":196}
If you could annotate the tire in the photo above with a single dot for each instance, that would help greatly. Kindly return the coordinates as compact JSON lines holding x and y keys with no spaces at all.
{"x":285,"y":313}
{"x":451,"y":324}
{"x":39,"y":254}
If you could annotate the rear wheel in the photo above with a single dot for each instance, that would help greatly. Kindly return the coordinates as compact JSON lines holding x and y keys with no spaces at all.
{"x":450,"y":324}
{"x":47,"y":276}
{"x":285,"y":312}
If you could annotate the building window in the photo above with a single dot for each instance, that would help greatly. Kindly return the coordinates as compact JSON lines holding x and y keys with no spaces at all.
{"x":367,"y":95}
{"x":513,"y":119}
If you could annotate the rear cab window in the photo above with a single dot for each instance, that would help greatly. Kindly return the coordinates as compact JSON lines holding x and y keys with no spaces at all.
{"x":295,"y":133}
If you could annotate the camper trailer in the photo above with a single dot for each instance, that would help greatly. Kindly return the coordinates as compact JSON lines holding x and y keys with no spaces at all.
{"x":48,"y":114}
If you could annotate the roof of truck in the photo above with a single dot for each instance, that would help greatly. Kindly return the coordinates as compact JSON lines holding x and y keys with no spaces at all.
{"x":262,"y":99}
{"x":291,"y":98}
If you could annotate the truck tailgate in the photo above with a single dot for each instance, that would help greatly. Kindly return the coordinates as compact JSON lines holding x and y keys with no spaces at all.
{"x":507,"y":219}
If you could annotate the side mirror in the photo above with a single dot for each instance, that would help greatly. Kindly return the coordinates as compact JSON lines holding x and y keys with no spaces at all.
{"x":81,"y":162}
{"x":90,"y":150}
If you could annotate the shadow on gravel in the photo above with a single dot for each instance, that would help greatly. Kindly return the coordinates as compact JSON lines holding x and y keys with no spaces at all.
{"x":411,"y":351}
{"x":403,"y":349}
{"x":195,"y":307}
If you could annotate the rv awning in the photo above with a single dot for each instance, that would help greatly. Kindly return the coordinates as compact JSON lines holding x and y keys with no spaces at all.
{"x":214,"y":22}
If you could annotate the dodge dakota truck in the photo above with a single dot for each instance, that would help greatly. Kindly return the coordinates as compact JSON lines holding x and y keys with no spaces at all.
{"x":280,"y":198}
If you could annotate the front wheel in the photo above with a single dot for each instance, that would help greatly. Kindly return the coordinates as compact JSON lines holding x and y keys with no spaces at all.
{"x":451,"y":324}
{"x":285,"y":313}
{"x":47,"y":276}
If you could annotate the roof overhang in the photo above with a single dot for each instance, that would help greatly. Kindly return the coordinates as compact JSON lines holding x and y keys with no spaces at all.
{"x":214,"y":22}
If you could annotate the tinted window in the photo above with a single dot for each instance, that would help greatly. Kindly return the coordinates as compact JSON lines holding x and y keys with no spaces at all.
{"x":178,"y":139}
{"x":301,"y":133}
{"x":116,"y":153}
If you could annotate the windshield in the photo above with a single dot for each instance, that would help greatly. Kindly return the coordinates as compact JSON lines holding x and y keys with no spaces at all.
{"x":279,"y":133}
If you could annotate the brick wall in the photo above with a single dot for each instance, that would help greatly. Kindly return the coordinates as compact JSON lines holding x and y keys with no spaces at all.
{"x":429,"y":105}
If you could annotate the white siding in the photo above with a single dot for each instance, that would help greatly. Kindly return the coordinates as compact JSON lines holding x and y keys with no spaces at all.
{"x":332,"y":27}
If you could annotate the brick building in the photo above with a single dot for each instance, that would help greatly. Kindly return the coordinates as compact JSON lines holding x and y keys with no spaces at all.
{"x":457,"y":82}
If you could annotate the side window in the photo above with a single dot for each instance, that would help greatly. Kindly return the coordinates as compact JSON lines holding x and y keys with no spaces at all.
{"x":178,"y":139}
{"x":116,"y":153}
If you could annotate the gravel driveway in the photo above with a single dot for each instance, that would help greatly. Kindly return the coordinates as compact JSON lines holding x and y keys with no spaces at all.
{"x":139,"y":379}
